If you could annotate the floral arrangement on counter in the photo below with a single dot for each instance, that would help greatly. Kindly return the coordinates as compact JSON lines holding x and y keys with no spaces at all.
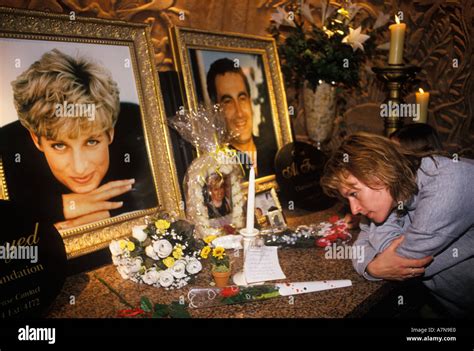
{"x":328,"y":47}
{"x":163,"y":253}
{"x":321,"y":235}
{"x":218,"y":257}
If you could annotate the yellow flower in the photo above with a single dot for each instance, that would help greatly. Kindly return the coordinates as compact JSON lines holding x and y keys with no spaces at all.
{"x":209,"y":238}
{"x":178,"y":252}
{"x":123,"y":244}
{"x":218,"y":252}
{"x":162,"y":224}
{"x":130,"y":246}
{"x":169,"y":262}
{"x":205,"y":252}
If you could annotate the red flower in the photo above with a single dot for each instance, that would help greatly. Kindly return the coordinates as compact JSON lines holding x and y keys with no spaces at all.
{"x":343,"y":236}
{"x":323,"y":242}
{"x":333,"y":219}
{"x":332,"y":237}
{"x":229,"y":229}
{"x":340,"y":227}
{"x":229,"y":291}
{"x":130,"y":313}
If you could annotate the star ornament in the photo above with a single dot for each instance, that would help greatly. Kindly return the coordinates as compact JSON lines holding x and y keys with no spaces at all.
{"x":355,"y":39}
{"x":282,"y":18}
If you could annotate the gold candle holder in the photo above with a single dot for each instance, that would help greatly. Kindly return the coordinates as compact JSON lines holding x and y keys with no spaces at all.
{"x":394,"y":77}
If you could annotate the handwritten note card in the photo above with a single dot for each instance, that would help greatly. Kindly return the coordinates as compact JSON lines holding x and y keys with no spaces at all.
{"x":261,"y":264}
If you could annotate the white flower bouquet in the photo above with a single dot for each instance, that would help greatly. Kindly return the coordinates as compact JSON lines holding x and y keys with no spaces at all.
{"x":163,"y":253}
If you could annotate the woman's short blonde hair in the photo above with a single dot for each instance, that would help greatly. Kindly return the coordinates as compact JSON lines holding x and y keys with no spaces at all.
{"x":375,"y":161}
{"x":58,"y":78}
{"x":215,"y":181}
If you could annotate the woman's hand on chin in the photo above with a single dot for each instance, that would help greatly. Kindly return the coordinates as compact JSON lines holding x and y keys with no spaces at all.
{"x":80,"y":205}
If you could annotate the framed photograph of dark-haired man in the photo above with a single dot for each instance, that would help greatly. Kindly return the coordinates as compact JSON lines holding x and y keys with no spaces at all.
{"x":84,"y":139}
{"x":242,"y":74}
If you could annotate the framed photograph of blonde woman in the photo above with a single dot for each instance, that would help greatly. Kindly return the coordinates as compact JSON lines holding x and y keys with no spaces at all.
{"x":75,"y":128}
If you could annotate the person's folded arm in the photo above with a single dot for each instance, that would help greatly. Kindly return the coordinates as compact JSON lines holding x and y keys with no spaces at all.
{"x":360,"y":263}
{"x":443,"y":213}
{"x":374,"y":239}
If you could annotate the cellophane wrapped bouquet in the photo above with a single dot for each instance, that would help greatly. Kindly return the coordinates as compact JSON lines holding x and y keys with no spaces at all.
{"x":217,"y":166}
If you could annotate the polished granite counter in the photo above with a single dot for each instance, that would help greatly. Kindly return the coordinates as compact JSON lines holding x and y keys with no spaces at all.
{"x":92,"y":299}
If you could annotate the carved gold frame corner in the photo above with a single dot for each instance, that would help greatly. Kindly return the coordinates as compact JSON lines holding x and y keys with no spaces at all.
{"x":25,"y":24}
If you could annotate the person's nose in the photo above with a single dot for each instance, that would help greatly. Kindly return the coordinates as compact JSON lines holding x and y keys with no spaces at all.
{"x":79,"y":162}
{"x":239,"y":113}
{"x":355,"y":206}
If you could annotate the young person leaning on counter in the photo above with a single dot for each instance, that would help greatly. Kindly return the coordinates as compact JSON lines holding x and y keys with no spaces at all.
{"x":420,"y":208}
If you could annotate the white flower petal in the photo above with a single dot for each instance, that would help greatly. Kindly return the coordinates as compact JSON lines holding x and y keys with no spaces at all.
{"x":138,"y":233}
{"x":166,"y":279}
{"x":163,"y":248}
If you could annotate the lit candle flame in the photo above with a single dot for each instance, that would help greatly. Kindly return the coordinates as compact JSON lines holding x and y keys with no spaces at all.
{"x":397,"y":20}
{"x":421,"y":91}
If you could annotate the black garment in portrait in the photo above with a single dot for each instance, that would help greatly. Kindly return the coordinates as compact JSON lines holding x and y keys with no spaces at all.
{"x":266,"y":152}
{"x":31,"y":182}
{"x":217,"y":212}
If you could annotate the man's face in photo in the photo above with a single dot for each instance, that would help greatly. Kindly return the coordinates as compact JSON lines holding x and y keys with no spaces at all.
{"x":78,"y":163}
{"x":234,"y":98}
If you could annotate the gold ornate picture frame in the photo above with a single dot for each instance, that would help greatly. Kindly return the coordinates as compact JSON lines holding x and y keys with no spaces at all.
{"x":195,"y":51}
{"x":140,"y":141}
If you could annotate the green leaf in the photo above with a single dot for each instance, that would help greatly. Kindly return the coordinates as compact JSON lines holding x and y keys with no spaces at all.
{"x":145,"y":304}
{"x":160,"y":311}
{"x":178,"y":310}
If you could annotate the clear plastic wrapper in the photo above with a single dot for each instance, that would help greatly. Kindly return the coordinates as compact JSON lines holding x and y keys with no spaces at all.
{"x":212,"y":183}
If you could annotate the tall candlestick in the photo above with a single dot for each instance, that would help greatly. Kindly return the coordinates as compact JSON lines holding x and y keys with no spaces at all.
{"x":397,"y":39}
{"x":422,"y":100}
{"x":251,"y":201}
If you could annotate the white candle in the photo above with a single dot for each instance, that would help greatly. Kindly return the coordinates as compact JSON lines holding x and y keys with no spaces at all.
{"x":397,"y":39}
{"x":422,"y":100}
{"x":251,"y":201}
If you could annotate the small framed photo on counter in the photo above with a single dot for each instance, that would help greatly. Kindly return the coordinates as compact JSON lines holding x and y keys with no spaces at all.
{"x":268,"y":211}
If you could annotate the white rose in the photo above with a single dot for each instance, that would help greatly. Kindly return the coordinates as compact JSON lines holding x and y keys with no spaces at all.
{"x":179,"y":269}
{"x":136,"y":264}
{"x":151,"y":277}
{"x":163,"y":248}
{"x":116,"y":260}
{"x":138,"y":233}
{"x":124,"y":271}
{"x":194,"y":266}
{"x":115,"y":249}
{"x":166,"y":279}
{"x":151,"y":253}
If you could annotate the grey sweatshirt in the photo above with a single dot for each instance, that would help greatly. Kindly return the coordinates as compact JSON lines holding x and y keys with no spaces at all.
{"x":439,"y":222}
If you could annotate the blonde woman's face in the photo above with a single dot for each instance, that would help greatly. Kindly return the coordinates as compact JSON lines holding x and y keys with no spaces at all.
{"x":375,"y":204}
{"x":80,"y":163}
{"x":217,"y":194}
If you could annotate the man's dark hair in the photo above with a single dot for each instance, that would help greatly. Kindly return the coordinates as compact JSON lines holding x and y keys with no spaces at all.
{"x":221,"y":67}
{"x":418,"y":137}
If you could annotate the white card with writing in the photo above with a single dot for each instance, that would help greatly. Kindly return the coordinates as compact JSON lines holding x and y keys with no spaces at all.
{"x":261,"y":264}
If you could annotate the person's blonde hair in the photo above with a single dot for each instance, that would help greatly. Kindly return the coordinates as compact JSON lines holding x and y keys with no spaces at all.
{"x":375,"y":161}
{"x":57,"y":78}
{"x":215,"y":181}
